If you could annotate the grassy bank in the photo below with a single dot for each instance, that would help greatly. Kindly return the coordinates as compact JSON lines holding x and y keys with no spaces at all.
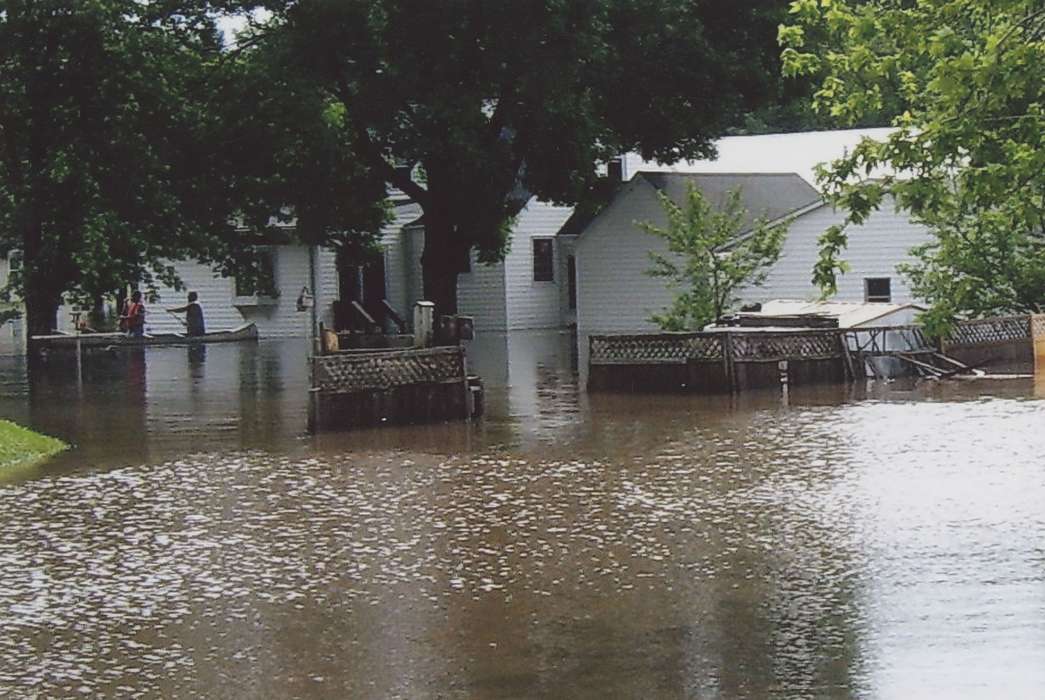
{"x":20,"y":445}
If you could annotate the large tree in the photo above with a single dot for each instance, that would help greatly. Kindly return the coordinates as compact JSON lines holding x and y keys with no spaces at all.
{"x":487,"y":103}
{"x":130,"y":136}
{"x":968,"y":155}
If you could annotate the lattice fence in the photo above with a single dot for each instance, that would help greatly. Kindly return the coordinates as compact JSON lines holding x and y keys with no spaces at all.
{"x":990,"y":331}
{"x":680,"y":348}
{"x":764,"y":347}
{"x":664,"y":348}
{"x":1038,"y":326}
{"x":369,"y":371}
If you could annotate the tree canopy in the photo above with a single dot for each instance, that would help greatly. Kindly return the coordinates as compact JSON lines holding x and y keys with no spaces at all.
{"x":967,"y":157}
{"x":488,"y":103}
{"x":712,"y":256}
{"x":130,"y":136}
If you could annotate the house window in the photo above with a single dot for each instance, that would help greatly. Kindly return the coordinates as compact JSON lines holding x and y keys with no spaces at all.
{"x":543,"y":260}
{"x":878,"y":289}
{"x":263,"y":284}
{"x":14,"y":260}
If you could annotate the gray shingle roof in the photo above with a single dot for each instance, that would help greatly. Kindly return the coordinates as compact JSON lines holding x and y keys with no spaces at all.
{"x":764,"y":195}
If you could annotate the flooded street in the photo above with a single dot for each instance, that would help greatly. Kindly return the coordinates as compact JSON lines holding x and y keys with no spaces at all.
{"x":840,"y":542}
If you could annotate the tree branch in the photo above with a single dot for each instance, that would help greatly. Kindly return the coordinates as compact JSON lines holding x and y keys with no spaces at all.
{"x":373,"y":156}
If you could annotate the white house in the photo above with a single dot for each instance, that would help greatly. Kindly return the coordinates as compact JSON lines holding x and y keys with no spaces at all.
{"x":614,"y":293}
{"x":593,"y":276}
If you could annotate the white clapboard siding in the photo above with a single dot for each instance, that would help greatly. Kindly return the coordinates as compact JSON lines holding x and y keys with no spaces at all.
{"x":481,"y":295}
{"x":875,"y":249}
{"x":394,"y":241}
{"x":215,"y":296}
{"x":615,"y":293}
{"x":530,"y":304}
{"x":280,"y":319}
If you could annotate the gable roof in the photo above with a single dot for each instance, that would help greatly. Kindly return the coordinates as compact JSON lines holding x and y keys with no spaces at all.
{"x":769,"y":196}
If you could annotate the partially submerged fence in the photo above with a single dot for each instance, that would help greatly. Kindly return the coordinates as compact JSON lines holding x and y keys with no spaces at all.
{"x":716,"y":362}
{"x":359,"y":387}
{"x":733,"y":360}
{"x":1005,"y":340}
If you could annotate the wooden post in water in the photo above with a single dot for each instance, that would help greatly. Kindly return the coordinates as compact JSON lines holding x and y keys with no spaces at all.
{"x":424,"y":324}
{"x":1037,"y":326}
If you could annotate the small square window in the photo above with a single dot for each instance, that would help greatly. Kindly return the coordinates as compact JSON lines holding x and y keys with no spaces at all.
{"x":543,"y":260}
{"x":878,"y":289}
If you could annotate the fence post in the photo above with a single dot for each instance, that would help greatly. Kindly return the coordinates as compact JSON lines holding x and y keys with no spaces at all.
{"x":1037,"y":324}
{"x":727,"y":361}
{"x":424,"y":324}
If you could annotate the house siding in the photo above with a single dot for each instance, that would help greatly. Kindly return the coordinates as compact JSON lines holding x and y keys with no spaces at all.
{"x":875,"y":249}
{"x":279,"y":320}
{"x":396,"y":246}
{"x":481,"y":294}
{"x":530,"y":304}
{"x":616,"y":295}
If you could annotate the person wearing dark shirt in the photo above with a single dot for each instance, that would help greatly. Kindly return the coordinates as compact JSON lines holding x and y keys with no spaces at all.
{"x":193,"y":315}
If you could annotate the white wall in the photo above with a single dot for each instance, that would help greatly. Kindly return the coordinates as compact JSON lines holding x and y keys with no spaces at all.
{"x":615,"y":294}
{"x":279,"y":320}
{"x":396,"y":250}
{"x":481,"y":294}
{"x":875,"y":249}
{"x":501,"y":296}
{"x":530,"y":304}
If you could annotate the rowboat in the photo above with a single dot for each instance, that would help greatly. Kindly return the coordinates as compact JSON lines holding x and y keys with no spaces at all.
{"x":247,"y":331}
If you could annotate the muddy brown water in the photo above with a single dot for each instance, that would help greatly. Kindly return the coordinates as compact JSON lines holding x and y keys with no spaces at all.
{"x":838,"y":542}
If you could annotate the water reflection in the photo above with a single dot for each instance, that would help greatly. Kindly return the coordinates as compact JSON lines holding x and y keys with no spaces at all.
{"x":867,"y":541}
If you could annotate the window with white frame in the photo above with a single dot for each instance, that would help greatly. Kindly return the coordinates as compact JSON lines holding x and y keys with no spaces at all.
{"x":543,"y":260}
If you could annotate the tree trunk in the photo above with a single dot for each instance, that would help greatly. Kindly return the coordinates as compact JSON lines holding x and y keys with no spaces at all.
{"x":41,"y":307}
{"x":441,"y":262}
{"x":39,"y":289}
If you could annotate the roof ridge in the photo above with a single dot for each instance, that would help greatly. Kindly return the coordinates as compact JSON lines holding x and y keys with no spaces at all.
{"x":718,"y":174}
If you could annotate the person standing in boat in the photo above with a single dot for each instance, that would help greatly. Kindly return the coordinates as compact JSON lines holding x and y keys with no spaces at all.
{"x":193,"y":315}
{"x":133,"y":318}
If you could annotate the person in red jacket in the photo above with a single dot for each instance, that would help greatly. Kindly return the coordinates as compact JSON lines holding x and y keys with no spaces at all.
{"x":133,"y":318}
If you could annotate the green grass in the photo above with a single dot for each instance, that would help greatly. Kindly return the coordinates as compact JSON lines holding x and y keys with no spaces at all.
{"x":20,"y":445}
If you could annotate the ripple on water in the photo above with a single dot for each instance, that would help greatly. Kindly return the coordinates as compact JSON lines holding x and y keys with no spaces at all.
{"x":815,"y":550}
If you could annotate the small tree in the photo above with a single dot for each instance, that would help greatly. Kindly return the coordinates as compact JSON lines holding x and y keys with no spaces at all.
{"x":712,"y":256}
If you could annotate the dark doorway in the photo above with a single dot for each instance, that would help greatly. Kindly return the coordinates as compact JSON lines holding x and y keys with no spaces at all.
{"x":361,"y":281}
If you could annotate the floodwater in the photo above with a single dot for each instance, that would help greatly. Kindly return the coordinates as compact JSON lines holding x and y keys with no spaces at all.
{"x":883,"y":542}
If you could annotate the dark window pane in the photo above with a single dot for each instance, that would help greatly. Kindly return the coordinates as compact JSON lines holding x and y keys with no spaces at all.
{"x":878,"y":289}
{"x":543,"y":260}
{"x":265,"y":282}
